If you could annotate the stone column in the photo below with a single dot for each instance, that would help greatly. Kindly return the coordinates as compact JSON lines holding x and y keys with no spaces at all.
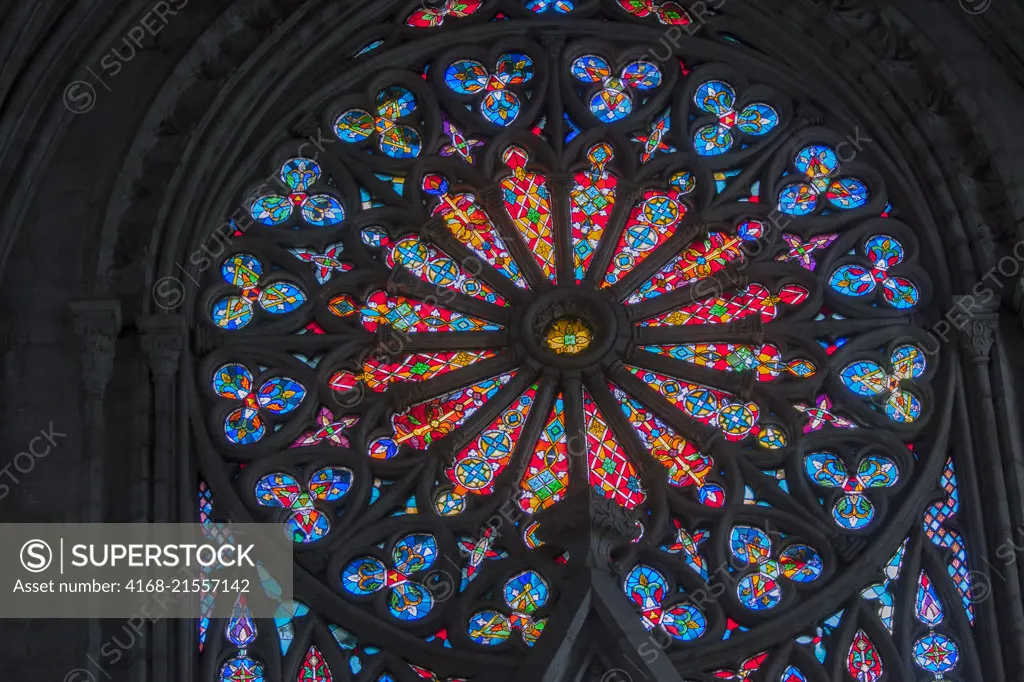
{"x":96,"y":324}
{"x":982,"y":480}
{"x":166,"y":486}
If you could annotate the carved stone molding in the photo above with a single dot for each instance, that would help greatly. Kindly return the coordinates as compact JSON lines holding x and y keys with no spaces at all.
{"x":583,"y":515}
{"x":96,"y":323}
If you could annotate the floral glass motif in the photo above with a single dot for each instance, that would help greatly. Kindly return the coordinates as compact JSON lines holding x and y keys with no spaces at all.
{"x":411,"y":557}
{"x":853,"y":510}
{"x":299,"y":175}
{"x":241,"y":632}
{"x":244,"y":271}
{"x":430,"y":17}
{"x":857,"y":281}
{"x":935,"y":652}
{"x":687,"y":545}
{"x":476,"y":551}
{"x":305,"y":523}
{"x":802,"y":252}
{"x":325,"y":262}
{"x":242,"y":669}
{"x":821,"y":415}
{"x":459,"y":145}
{"x":762,"y":589}
{"x":277,"y":396}
{"x":668,"y":13}
{"x":523,"y":595}
{"x":569,"y":336}
{"x":613,"y":101}
{"x":649,"y":590}
{"x":328,"y":431}
{"x":500,"y":105}
{"x":819,"y":165}
{"x":719,"y":99}
{"x":395,"y":139}
{"x":867,"y":378}
{"x":653,"y":140}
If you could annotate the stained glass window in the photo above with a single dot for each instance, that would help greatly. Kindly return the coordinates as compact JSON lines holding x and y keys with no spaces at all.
{"x":518,"y":277}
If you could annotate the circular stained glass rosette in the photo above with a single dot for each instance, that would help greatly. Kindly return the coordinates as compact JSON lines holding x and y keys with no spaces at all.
{"x":530,"y":319}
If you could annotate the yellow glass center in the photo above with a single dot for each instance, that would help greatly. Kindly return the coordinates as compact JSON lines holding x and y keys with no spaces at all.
{"x":569,"y":336}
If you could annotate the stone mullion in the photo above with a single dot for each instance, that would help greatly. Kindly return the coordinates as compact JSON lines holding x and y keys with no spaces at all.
{"x":739,"y":384}
{"x":560,"y":185}
{"x":515,"y":242}
{"x":549,"y":659}
{"x":675,"y":245}
{"x":723,"y":283}
{"x":701,"y":435}
{"x":621,"y":619}
{"x":627,"y":195}
{"x":436,"y":232}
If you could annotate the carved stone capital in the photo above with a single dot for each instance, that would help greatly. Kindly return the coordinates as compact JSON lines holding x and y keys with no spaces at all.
{"x":96,"y":324}
{"x":977,"y":328}
{"x":977,"y":336}
{"x":163,"y":339}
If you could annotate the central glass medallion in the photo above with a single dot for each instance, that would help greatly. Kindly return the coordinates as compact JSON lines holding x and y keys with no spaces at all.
{"x":569,"y":336}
